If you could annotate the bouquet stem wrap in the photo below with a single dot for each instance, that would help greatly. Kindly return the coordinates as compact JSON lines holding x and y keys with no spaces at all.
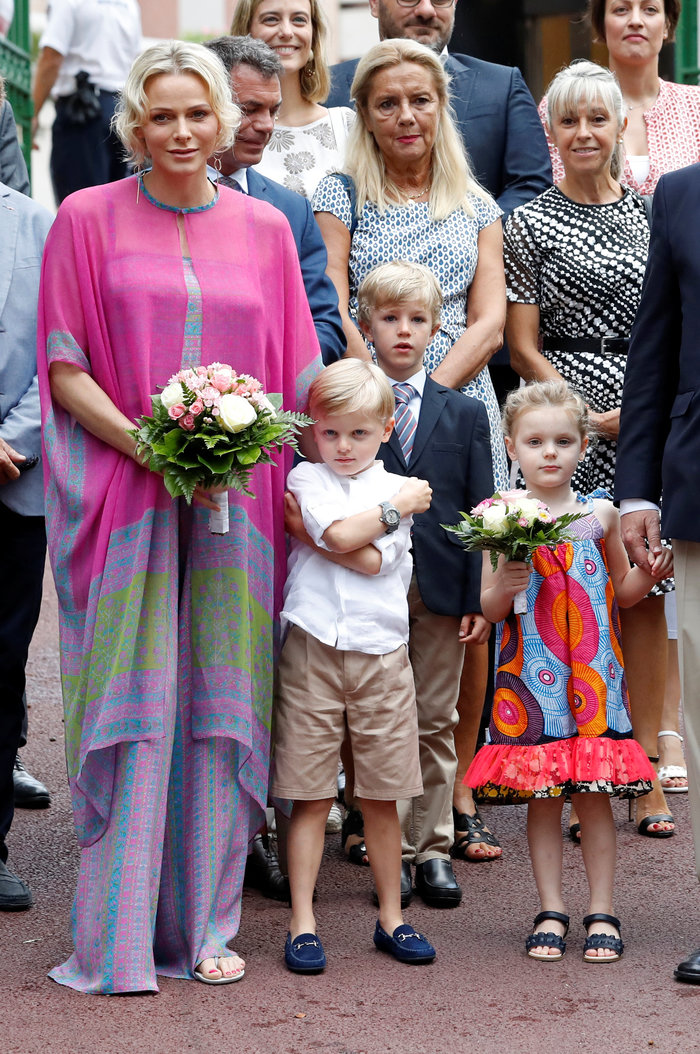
{"x":218,"y":521}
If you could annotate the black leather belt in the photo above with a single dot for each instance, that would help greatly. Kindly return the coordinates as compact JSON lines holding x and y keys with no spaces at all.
{"x":609,"y":345}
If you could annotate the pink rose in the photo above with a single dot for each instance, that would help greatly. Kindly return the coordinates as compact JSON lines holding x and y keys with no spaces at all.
{"x":177,"y":411}
{"x":196,"y":407}
{"x":187,"y":422}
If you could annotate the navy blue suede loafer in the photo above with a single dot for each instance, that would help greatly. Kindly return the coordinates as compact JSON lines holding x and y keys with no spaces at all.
{"x":304,"y":954}
{"x":405,"y":945}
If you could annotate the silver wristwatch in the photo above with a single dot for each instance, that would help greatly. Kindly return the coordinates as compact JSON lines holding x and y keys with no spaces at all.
{"x":390,"y":516}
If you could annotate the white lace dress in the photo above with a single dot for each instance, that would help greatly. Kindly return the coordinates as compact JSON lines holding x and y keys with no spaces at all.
{"x":298,"y":158}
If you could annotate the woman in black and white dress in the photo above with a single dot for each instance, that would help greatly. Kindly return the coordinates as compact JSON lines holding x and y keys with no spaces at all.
{"x":575,"y":260}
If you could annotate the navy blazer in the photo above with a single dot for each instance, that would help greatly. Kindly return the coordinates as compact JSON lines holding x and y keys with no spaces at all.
{"x":24,"y":225}
{"x":13,"y":170}
{"x":452,"y":450}
{"x":659,"y":445}
{"x":498,"y":119}
{"x":323,"y":299}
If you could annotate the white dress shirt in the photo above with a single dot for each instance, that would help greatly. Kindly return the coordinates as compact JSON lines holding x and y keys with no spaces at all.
{"x":346,"y":609}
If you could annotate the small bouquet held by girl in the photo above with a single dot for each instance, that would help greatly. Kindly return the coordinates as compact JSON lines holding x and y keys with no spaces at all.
{"x":514,"y":524}
{"x":210,"y":427}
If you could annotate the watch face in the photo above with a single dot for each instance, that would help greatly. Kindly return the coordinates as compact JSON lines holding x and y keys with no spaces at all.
{"x":392,"y":517}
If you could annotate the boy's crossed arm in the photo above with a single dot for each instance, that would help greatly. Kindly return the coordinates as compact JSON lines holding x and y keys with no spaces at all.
{"x":349,"y":540}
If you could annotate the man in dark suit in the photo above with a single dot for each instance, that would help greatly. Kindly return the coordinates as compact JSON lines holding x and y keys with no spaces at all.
{"x":495,"y":111}
{"x":254,"y":70}
{"x":659,"y":444}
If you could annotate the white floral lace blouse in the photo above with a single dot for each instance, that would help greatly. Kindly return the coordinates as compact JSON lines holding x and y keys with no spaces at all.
{"x":299,"y":158}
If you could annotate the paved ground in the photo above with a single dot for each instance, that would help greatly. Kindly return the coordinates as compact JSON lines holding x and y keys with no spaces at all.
{"x":481,"y":995}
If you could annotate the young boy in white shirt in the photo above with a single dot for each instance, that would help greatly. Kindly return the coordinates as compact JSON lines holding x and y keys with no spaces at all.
{"x":345,"y":661}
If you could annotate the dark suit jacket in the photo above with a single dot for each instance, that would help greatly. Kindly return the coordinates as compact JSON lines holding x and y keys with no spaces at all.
{"x":659,"y":444}
{"x":13,"y":170}
{"x":499,"y":123}
{"x":452,"y":450}
{"x":323,"y":299}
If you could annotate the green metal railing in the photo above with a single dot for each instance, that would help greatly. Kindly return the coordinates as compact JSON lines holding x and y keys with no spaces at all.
{"x":687,"y":69}
{"x":15,"y":66}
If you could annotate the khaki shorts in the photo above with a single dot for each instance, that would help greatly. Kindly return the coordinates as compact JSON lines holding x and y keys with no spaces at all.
{"x":321,"y":692}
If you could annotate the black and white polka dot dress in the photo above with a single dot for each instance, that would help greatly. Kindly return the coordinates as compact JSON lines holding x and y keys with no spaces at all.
{"x":583,"y":266}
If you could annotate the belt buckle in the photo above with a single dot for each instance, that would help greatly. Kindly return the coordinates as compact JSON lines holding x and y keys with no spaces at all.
{"x":610,"y":338}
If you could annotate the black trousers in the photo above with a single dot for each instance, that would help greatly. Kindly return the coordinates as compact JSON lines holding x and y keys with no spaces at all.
{"x":23,"y":553}
{"x":85,"y":155}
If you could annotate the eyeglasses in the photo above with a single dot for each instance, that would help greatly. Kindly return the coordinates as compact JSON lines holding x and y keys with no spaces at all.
{"x":435,"y":3}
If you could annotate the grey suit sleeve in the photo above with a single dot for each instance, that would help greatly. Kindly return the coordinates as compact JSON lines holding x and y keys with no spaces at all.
{"x":323,"y":299}
{"x":13,"y":170}
{"x":527,"y":170}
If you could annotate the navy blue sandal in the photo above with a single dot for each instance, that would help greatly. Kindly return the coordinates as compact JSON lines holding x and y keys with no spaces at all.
{"x":543,"y":939}
{"x":602,"y":940}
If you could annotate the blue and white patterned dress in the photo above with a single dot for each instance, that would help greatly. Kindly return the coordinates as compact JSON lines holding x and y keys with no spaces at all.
{"x":449,"y":248}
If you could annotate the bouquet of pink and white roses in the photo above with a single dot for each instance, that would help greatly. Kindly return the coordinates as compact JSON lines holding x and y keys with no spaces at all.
{"x":210,"y":427}
{"x":514,"y":524}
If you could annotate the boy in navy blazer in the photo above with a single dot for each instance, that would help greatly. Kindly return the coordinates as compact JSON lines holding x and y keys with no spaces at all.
{"x":442,"y":436}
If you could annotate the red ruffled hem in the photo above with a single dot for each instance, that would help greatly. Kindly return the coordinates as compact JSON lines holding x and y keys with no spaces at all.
{"x":516,"y":773}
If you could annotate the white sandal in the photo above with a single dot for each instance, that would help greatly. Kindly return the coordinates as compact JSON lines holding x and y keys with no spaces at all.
{"x":224,"y":979}
{"x":672,"y":772}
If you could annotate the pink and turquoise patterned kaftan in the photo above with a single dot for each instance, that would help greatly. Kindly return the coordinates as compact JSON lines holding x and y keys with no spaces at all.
{"x":167,"y":632}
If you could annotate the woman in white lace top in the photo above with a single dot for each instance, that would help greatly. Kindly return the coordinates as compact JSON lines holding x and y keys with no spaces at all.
{"x":309,"y":139}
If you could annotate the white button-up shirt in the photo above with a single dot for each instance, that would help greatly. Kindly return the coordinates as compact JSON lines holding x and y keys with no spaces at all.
{"x":347,"y":609}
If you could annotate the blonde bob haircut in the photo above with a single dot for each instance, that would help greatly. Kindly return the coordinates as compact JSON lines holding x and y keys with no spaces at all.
{"x":451,"y":175}
{"x":593,"y":85}
{"x":397,"y":283}
{"x":314,"y":77}
{"x":173,"y":57}
{"x":351,"y":385}
{"x":546,"y":395}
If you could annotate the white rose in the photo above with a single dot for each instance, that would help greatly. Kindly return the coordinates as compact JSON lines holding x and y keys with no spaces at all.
{"x":172,"y":395}
{"x":236,"y":413}
{"x":529,"y":510}
{"x":495,"y":518}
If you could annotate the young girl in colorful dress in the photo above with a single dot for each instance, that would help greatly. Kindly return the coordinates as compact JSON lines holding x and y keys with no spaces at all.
{"x":560,"y":722}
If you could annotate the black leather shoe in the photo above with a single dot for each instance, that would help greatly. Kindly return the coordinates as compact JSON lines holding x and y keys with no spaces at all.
{"x":406,"y":886}
{"x":436,"y":884}
{"x":14,"y":893}
{"x":262,"y":871}
{"x":689,"y":969}
{"x":29,"y":792}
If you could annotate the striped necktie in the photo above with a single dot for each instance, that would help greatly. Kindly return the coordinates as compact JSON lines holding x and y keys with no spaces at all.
{"x":405,"y":423}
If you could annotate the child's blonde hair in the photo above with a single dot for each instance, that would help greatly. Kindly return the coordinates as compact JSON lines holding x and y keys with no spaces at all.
{"x":396,"y":283}
{"x":350,"y":385}
{"x":543,"y":395}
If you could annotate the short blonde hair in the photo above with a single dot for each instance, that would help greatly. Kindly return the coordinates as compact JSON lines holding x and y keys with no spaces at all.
{"x":396,"y":283}
{"x":173,"y":57}
{"x":316,"y":84}
{"x":587,"y":82}
{"x":545,"y":395}
{"x":451,"y":175}
{"x":351,"y":385}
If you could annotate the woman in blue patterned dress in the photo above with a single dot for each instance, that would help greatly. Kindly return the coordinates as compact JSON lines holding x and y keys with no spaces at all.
{"x":411,"y":195}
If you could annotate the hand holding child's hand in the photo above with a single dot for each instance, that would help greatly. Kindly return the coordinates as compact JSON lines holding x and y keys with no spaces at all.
{"x":514,"y":576}
{"x":474,"y":629}
{"x":415,"y":496}
{"x":661,"y":566}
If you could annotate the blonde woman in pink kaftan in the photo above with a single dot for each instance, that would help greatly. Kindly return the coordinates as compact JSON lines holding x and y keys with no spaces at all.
{"x":167,"y":631}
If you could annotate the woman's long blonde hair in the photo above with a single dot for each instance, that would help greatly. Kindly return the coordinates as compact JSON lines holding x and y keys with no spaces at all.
{"x":452,"y":179}
{"x":315,"y":77}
